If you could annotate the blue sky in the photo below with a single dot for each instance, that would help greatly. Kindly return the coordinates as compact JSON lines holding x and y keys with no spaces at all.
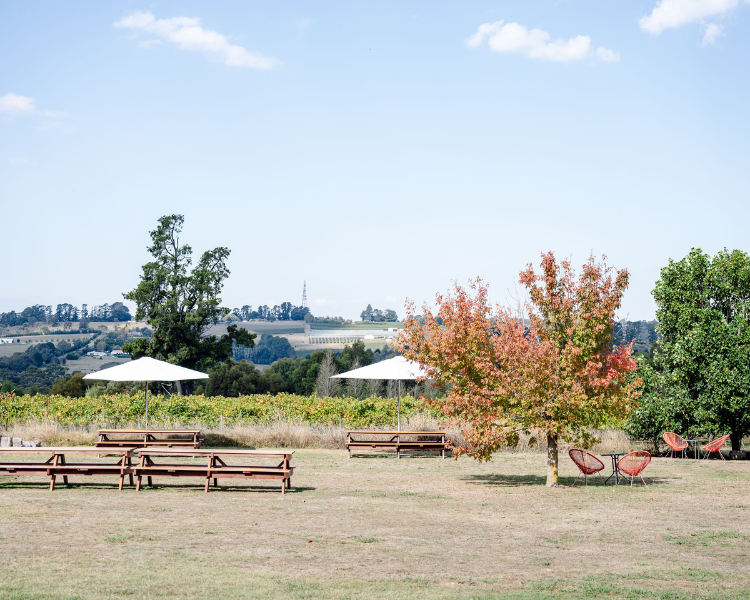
{"x":376,"y":151}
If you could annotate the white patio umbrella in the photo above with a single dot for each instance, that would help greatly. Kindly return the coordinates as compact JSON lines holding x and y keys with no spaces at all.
{"x":146,"y":369}
{"x":398,"y":368}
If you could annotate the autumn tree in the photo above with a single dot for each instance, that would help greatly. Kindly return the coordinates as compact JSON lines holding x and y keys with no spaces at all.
{"x":182,"y":303}
{"x":547,"y":366}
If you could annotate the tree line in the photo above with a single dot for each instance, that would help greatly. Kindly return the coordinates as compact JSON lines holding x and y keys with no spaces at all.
{"x":303,"y":376}
{"x":66,"y":313}
{"x":375,"y":314}
{"x":285,"y":311}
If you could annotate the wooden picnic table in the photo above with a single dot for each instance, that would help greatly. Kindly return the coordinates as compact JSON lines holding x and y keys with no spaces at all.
{"x":215,"y":466}
{"x":57,"y":464}
{"x":372,"y":438}
{"x":140,"y":438}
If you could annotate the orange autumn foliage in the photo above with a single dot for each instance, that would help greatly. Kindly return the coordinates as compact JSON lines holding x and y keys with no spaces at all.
{"x":546,"y":365}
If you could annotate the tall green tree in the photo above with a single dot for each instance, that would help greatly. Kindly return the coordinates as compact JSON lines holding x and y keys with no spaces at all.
{"x":702,"y":378}
{"x":182,"y":304}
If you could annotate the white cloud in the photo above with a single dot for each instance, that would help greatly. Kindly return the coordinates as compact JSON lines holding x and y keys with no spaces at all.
{"x":607,"y":55}
{"x":188,"y":34}
{"x":534,"y":43}
{"x":15,"y":104}
{"x":323,"y":302}
{"x":668,"y":14}
{"x":20,"y":161}
{"x":711,"y":32}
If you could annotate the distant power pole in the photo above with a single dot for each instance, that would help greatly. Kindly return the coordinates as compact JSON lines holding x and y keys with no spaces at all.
{"x":304,"y":294}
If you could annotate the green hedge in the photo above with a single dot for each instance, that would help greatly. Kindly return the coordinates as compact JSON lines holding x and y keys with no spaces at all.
{"x":207,"y":411}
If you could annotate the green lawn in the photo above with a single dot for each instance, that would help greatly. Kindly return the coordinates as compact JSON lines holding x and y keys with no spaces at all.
{"x":380,"y":528}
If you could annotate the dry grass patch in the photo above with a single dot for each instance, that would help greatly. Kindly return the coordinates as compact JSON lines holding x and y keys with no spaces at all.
{"x":378,"y":527}
{"x":288,"y":434}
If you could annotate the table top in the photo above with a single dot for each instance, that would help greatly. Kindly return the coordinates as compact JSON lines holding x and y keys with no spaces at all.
{"x":144,"y":431}
{"x":209,"y":452}
{"x":616,"y":454}
{"x":380,"y":432}
{"x":68,"y":450}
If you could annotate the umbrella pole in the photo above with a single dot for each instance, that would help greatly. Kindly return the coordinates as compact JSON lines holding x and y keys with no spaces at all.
{"x":399,"y":405}
{"x":147,"y":405}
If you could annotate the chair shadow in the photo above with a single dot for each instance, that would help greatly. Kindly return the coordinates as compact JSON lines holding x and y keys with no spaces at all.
{"x":496,"y":480}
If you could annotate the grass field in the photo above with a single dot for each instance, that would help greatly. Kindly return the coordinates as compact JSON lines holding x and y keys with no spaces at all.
{"x":358,"y":325}
{"x":89,"y":364}
{"x":260,"y":327}
{"x":379,"y":528}
{"x":26,"y":343}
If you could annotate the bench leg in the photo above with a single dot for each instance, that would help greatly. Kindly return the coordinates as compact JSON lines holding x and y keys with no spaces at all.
{"x":208,"y":482}
{"x":52,"y":483}
{"x":283,"y":486}
{"x":289,"y":482}
{"x":150,"y":483}
{"x":216,"y":482}
{"x":350,"y":453}
{"x":122,"y":480}
{"x":65,"y":479}
{"x":138,"y":487}
{"x":131,"y":478}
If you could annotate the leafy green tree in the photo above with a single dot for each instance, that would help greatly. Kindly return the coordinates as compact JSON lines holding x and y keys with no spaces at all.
{"x":71,"y":387}
{"x":183,"y":304}
{"x":366,"y":315}
{"x":702,"y":373}
{"x":268,"y":350}
{"x":232,"y":379}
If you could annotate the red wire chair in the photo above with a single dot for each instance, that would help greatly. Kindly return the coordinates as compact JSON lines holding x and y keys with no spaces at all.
{"x":587,"y":464}
{"x":675,"y":442}
{"x":633,"y":464}
{"x":715,"y":446}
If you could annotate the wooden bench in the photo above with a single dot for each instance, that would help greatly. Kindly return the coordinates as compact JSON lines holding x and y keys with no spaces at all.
{"x":153,"y":438}
{"x":215,"y":465}
{"x":58,"y":465}
{"x":395,"y":440}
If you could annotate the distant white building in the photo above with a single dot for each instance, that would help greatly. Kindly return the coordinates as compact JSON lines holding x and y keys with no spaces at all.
{"x":6,"y":341}
{"x":96,"y":353}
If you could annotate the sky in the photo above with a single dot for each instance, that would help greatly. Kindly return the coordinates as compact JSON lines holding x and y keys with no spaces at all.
{"x":378,"y":151}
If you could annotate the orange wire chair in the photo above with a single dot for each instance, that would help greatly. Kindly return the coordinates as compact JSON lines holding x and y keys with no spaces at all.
{"x":633,"y":464}
{"x":715,"y":446}
{"x":676,"y":443}
{"x":587,"y":463}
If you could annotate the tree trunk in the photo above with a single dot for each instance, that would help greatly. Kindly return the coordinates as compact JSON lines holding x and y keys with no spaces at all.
{"x":736,"y":440}
{"x":179,"y":388}
{"x":552,"y":460}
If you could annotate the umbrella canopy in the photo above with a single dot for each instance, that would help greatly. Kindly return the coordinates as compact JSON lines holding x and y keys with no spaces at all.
{"x":146,"y":369}
{"x":398,"y":368}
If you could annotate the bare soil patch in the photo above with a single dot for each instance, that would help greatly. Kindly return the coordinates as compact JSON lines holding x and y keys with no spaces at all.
{"x":376,"y":527}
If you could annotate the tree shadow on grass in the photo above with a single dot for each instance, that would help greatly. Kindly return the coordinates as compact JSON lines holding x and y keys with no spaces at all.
{"x":496,"y":480}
